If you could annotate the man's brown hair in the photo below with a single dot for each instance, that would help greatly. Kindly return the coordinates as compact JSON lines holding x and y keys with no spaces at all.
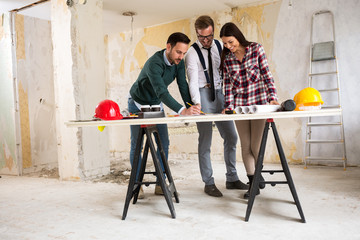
{"x":203,"y":22}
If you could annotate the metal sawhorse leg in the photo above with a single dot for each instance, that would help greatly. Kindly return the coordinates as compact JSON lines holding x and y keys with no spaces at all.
{"x":259,"y":166}
{"x":135,"y":181}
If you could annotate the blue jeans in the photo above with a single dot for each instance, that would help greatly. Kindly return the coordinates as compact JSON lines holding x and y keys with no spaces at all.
{"x":134,"y":131}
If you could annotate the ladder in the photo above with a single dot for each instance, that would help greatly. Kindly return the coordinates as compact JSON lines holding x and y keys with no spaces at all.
{"x":325,"y":140}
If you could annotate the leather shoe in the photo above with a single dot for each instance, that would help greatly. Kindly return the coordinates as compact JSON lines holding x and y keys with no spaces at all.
{"x":247,"y":194}
{"x":237,"y":185}
{"x":212,"y":190}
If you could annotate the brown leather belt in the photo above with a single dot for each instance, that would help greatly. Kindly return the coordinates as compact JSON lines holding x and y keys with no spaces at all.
{"x":208,"y":85}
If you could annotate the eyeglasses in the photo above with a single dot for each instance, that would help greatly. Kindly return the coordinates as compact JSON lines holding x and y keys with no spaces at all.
{"x":208,"y":37}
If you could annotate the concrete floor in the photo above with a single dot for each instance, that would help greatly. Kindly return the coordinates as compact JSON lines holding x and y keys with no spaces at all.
{"x":46,"y":208}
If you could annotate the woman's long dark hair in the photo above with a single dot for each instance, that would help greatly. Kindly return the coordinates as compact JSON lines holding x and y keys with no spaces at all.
{"x":231,"y":30}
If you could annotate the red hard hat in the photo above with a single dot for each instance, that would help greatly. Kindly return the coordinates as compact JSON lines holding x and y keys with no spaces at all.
{"x":108,"y":110}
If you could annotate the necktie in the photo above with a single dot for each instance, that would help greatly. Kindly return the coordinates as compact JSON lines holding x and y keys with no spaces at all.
{"x":211,"y":75}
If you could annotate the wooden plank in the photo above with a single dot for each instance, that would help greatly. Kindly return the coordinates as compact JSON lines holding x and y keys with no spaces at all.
{"x":205,"y":118}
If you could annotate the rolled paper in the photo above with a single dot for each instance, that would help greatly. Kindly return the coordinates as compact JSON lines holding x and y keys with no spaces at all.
{"x":265,"y":108}
{"x":250,"y":109}
{"x":242,"y":109}
{"x":257,"y":109}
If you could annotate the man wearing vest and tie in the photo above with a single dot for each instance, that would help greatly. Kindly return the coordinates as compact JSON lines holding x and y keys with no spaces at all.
{"x":205,"y":83}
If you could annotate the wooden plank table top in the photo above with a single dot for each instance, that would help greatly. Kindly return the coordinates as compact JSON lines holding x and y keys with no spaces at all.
{"x":204,"y":118}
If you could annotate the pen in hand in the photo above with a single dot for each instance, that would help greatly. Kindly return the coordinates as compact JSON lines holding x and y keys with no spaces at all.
{"x":191,"y":105}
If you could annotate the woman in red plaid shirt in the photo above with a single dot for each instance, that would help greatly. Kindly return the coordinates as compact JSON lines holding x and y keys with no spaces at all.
{"x":247,"y":81}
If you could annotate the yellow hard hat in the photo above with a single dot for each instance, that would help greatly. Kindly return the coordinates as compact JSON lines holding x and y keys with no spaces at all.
{"x":308,"y":99}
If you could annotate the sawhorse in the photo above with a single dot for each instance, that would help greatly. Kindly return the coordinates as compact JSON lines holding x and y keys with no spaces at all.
{"x":135,"y":181}
{"x":259,"y":167}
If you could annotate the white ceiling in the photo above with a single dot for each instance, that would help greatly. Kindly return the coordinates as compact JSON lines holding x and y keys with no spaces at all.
{"x":148,"y":12}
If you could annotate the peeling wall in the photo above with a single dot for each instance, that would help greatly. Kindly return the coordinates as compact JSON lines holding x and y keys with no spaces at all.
{"x":36,"y":93}
{"x":284,"y":32}
{"x":8,"y":156}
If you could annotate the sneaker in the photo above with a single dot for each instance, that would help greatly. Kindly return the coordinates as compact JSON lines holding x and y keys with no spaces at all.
{"x":237,"y":185}
{"x":141,"y":194}
{"x":212,"y":190}
{"x":158,"y":190}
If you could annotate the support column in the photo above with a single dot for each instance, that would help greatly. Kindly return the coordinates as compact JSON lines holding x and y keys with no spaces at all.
{"x":79,"y":75}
